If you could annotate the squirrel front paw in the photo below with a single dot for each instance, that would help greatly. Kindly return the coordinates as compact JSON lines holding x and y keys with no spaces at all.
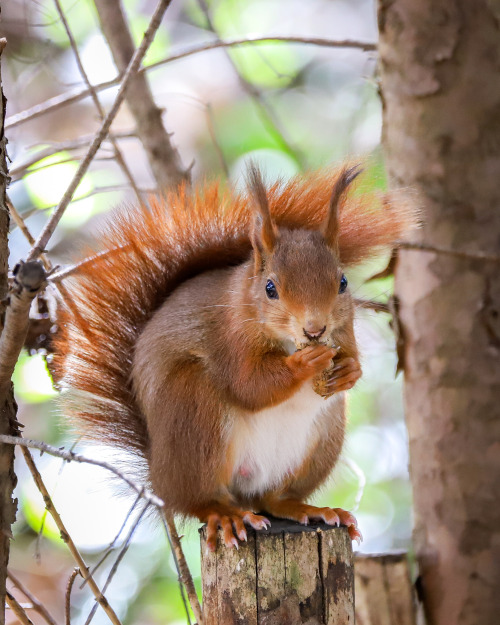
{"x":342,"y":376}
{"x":310,"y":361}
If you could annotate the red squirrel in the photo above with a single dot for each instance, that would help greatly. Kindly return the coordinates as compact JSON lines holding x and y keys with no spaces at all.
{"x":180,"y":342}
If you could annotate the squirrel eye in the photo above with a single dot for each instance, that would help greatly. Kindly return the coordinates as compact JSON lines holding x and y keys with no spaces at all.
{"x":343,"y":284}
{"x":271,"y":291}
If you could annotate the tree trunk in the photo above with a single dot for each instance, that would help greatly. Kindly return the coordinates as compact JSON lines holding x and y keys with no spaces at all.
{"x":8,"y":407}
{"x":440,"y":83}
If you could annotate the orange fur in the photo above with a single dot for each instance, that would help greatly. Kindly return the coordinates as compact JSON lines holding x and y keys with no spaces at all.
{"x":149,"y":253}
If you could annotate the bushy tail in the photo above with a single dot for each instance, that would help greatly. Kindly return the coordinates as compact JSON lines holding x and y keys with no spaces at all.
{"x":146,"y":252}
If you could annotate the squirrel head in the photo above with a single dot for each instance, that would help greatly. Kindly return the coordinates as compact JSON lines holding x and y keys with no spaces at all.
{"x":298,"y":286}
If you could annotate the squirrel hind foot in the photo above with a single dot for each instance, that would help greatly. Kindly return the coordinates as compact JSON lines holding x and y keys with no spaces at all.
{"x":232,"y":522}
{"x":304,"y":513}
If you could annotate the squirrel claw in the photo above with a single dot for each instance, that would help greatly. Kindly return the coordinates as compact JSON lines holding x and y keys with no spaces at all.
{"x":233,"y":527}
{"x":304,"y":513}
{"x":232,"y":543}
{"x":355,"y":534}
{"x":256,"y":521}
{"x":344,"y":376}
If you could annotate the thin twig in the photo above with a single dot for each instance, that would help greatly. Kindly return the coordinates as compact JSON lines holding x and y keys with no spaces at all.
{"x":182,"y":567}
{"x":425,"y":247}
{"x":162,"y":154}
{"x":119,"y":558}
{"x":58,"y":102}
{"x":69,"y":588}
{"x":25,"y":606}
{"x":173,"y":538}
{"x":213,"y":136}
{"x":101,"y":599}
{"x":63,"y":161}
{"x":95,"y":191}
{"x":48,"y":230}
{"x":111,"y":545}
{"x":54,"y":147}
{"x":68,"y":271}
{"x":19,"y":221}
{"x":265,"y":110}
{"x":117,"y":152}
{"x":71,"y":456}
{"x":371,"y":304}
{"x":38,"y":554}
{"x":36,"y":604}
{"x":18,"y":610}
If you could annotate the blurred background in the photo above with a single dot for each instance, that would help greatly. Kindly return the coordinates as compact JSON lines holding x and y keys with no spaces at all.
{"x":289,"y":106}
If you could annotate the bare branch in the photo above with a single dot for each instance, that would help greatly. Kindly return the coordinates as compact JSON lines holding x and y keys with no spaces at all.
{"x":213,"y":136}
{"x":265,"y":110}
{"x":69,"y":588}
{"x":65,"y":273}
{"x":72,"y":456}
{"x":111,"y":545}
{"x":36,"y":604}
{"x":163,"y":157}
{"x":69,"y":159}
{"x":371,"y":304}
{"x":101,"y":599}
{"x":182,"y":566}
{"x":28,"y":280}
{"x":20,"y":170}
{"x":25,"y":606}
{"x":132,"y":68}
{"x":17,"y":608}
{"x":117,"y":152}
{"x":19,"y":221}
{"x":95,"y":191}
{"x":72,"y":269}
{"x":58,"y":102}
{"x":122,"y":553}
{"x":150,"y":498}
{"x":213,"y":45}
{"x":425,"y":247}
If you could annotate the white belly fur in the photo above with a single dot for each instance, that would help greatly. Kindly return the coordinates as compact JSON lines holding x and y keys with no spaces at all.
{"x":273,"y":442}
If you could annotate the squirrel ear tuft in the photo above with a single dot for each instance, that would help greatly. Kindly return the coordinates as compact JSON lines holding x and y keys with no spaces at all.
{"x":331,"y":224}
{"x":264,"y":232}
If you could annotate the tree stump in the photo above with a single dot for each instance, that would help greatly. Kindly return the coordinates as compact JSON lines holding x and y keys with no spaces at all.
{"x":384,"y":592}
{"x":289,"y":574}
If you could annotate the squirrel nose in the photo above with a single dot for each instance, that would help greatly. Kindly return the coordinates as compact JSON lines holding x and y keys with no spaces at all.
{"x":313,"y":334}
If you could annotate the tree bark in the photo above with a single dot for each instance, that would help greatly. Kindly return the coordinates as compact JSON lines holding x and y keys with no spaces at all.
{"x":440,"y":84}
{"x":384,"y":591}
{"x":8,"y":407}
{"x":288,"y":574}
{"x":163,"y":157}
